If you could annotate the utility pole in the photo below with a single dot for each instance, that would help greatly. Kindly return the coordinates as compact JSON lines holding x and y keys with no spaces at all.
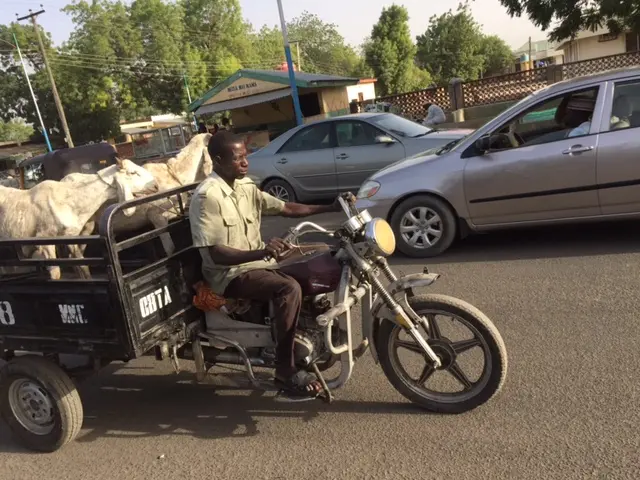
{"x":530,"y":59}
{"x":297,"y":42}
{"x":32,"y":16}
{"x":292,"y":74}
{"x":186,"y":85}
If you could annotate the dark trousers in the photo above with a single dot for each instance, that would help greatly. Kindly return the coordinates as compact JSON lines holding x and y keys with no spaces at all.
{"x":286,"y":294}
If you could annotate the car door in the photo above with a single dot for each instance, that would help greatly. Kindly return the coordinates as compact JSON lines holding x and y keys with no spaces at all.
{"x":358,"y":155}
{"x":307,"y":160}
{"x":541,"y":164}
{"x":618,"y":160}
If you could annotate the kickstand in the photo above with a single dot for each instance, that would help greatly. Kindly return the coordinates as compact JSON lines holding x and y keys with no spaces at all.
{"x":328,"y":396}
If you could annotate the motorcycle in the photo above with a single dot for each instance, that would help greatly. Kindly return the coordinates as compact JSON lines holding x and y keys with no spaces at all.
{"x":395,"y":319}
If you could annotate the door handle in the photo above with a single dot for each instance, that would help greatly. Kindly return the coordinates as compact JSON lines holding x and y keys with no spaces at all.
{"x":577,"y":149}
{"x":282,"y":160}
{"x":342,"y":156}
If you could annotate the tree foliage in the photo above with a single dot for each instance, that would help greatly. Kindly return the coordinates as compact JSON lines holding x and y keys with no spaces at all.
{"x":454,"y":46}
{"x":15,"y":131}
{"x":390,"y":51}
{"x":565,"y":18}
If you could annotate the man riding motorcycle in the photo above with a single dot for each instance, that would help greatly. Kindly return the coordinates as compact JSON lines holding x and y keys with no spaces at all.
{"x":226,"y":210}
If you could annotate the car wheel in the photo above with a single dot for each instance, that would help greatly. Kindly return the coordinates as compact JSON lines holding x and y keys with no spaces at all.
{"x":424,"y":226}
{"x":280,"y":189}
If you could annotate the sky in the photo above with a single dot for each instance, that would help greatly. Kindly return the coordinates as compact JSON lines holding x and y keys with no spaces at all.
{"x":354,"y":18}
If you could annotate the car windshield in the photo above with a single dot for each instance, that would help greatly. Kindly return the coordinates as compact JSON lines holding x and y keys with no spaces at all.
{"x":401,"y":126}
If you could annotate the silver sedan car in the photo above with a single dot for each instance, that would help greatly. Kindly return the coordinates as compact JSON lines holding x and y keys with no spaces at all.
{"x":567,"y":153}
{"x":319,"y":160}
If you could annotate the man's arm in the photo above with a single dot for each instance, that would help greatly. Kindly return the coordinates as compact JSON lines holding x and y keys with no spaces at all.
{"x":223,"y":255}
{"x":295,"y":210}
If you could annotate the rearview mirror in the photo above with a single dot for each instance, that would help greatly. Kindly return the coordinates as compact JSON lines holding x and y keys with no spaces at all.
{"x":385,"y":139}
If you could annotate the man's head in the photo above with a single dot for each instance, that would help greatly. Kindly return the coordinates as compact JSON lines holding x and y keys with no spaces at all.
{"x":225,"y":122}
{"x":202,"y":128}
{"x":426,"y":106}
{"x":229,"y":155}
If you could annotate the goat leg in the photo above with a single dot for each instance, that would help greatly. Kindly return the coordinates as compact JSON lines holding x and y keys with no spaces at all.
{"x":48,"y":252}
{"x":76,"y":251}
{"x":158,"y":220}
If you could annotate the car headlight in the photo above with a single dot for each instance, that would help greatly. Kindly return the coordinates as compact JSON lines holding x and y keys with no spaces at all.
{"x":368,"y":189}
{"x":379,"y":235}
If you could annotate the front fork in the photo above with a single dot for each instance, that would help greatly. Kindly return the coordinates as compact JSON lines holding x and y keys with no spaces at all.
{"x":401,"y":311}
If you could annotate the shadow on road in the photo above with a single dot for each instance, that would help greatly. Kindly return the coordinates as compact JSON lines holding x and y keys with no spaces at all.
{"x":548,"y":242}
{"x":142,"y":406}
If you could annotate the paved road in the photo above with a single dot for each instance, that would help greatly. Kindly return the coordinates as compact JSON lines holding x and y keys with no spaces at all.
{"x":566,"y":302}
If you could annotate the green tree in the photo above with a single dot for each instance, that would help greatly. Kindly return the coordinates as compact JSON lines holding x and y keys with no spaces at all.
{"x":15,"y":131}
{"x":496,"y":54}
{"x":390,"y":51}
{"x":322,"y":48}
{"x":454,"y":46}
{"x":450,"y":46}
{"x":565,"y":18}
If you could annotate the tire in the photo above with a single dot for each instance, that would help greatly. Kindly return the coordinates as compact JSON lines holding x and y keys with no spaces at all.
{"x":448,"y":225}
{"x":29,"y":373}
{"x":274,"y":186}
{"x":490,"y":386}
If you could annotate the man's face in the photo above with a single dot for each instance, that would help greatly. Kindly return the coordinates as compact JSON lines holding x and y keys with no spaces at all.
{"x":235,"y":165}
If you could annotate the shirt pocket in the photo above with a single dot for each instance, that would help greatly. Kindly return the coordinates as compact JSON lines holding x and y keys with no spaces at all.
{"x":234,"y":230}
{"x":253,"y":232}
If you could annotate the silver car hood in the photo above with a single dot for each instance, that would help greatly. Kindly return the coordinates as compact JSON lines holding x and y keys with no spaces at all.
{"x":403,"y":164}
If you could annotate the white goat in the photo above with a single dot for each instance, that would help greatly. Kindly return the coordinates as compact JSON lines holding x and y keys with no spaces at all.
{"x":192,"y":163}
{"x":55,"y":209}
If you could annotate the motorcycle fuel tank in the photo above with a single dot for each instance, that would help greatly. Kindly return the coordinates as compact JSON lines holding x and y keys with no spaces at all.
{"x":314,"y":267}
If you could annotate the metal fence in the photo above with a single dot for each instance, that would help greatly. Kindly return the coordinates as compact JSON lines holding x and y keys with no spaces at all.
{"x":504,"y":88}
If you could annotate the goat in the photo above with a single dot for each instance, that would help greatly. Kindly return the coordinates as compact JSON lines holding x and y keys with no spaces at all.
{"x":191,"y":164}
{"x":54,"y":209}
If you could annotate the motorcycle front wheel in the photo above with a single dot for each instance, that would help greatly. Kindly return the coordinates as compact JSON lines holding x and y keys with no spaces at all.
{"x":451,"y":388}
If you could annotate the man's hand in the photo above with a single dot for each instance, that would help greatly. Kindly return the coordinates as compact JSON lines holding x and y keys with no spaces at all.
{"x":276,"y":247}
{"x":347,"y":197}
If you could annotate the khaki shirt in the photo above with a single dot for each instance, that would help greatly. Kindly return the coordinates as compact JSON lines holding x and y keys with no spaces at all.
{"x":221,"y":215}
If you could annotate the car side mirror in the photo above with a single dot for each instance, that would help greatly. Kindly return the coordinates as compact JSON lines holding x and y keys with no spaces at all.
{"x":385,"y":139}
{"x":483,"y":144}
{"x":492,"y":142}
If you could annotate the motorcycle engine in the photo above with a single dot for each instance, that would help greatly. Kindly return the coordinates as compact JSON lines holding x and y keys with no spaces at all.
{"x":309,"y":341}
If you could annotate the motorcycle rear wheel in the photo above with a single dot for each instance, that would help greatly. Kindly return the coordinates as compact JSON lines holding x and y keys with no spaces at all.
{"x":485,"y":336}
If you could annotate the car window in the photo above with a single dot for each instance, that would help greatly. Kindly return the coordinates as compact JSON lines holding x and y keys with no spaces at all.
{"x":315,"y":137}
{"x":355,"y":134}
{"x":625,"y":108}
{"x":564,"y":116}
{"x":400,"y":126}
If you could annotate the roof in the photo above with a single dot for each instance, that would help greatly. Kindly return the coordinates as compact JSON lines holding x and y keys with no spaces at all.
{"x":303,"y":80}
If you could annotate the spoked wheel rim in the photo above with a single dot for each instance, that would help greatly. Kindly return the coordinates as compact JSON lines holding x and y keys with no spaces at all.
{"x":421,"y":227}
{"x":279,"y":192}
{"x":32,"y":406}
{"x":450,"y":351}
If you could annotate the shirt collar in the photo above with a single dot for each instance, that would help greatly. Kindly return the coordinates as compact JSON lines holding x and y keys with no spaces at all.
{"x":224,"y":186}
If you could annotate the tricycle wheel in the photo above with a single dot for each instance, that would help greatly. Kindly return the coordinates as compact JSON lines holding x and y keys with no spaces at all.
{"x":39,"y":403}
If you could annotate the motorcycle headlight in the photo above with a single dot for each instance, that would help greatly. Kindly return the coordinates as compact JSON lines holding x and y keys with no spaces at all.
{"x":379,"y":235}
{"x":368,"y":189}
